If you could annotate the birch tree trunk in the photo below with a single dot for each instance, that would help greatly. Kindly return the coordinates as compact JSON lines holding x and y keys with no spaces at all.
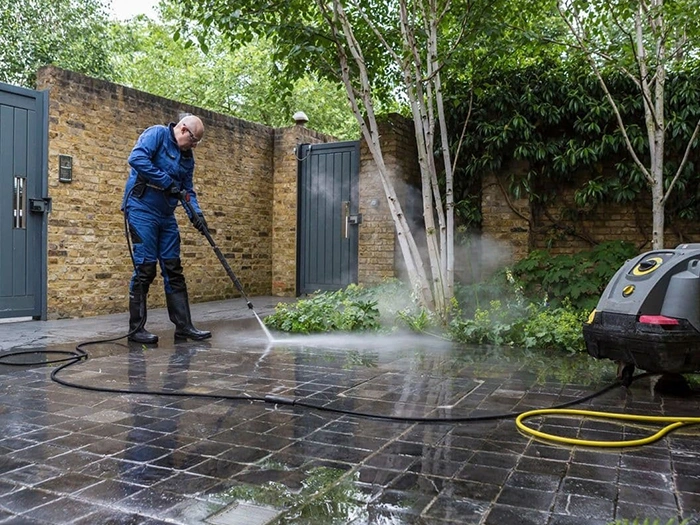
{"x":420,"y":71}
{"x":653,"y":96}
{"x":648,"y":30}
{"x":339,"y":22}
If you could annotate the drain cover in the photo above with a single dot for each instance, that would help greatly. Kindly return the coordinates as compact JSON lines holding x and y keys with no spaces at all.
{"x":244,"y":514}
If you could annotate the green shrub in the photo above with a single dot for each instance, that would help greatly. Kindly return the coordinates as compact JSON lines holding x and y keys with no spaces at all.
{"x":417,"y":321}
{"x":541,"y":303}
{"x":348,"y":310}
{"x":580,"y":277}
{"x":471,"y":297}
{"x":395,"y":301}
{"x":523,"y":324}
{"x":398,"y":306}
{"x":500,"y":324}
{"x":557,"y":328}
{"x":513,"y":321}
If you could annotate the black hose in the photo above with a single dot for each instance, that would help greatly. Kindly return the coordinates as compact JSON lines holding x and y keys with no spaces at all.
{"x":127,"y":234}
{"x":79,"y":354}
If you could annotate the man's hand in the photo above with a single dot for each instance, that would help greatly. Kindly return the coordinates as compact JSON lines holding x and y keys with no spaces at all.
{"x":173,"y":191}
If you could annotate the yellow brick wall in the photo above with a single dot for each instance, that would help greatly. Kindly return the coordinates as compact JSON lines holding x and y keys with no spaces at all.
{"x":379,"y":255}
{"x":246,"y":179}
{"x":97,"y":124}
{"x":519,"y":227}
{"x":505,"y":220}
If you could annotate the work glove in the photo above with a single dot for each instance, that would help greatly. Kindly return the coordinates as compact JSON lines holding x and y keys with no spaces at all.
{"x":173,"y":191}
{"x":199,"y":222}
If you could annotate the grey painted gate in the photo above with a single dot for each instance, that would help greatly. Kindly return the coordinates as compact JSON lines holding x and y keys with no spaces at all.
{"x":23,"y":208}
{"x":328,"y":216}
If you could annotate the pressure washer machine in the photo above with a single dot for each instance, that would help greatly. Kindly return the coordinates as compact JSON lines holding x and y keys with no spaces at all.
{"x":649,"y":314}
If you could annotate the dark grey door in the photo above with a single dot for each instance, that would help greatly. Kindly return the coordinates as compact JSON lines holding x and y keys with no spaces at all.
{"x":328,"y":216}
{"x":23,"y":208}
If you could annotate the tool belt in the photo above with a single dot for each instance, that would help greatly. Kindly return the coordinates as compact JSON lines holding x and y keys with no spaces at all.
{"x":139,"y":187}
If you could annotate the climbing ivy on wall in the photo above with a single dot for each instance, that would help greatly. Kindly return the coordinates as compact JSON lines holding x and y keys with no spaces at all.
{"x":555,"y":117}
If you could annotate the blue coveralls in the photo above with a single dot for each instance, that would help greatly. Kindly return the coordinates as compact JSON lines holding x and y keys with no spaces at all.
{"x":156,"y":163}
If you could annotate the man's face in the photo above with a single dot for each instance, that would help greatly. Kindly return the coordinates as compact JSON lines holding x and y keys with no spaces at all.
{"x":187,"y":138}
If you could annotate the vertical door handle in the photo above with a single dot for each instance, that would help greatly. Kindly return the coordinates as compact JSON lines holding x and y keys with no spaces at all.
{"x":19,"y":203}
{"x":344,"y":219}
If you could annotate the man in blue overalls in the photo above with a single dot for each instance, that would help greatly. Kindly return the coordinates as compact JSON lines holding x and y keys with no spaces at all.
{"x":162,"y":166}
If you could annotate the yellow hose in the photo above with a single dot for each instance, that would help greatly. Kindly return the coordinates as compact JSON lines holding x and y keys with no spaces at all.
{"x":675,"y":422}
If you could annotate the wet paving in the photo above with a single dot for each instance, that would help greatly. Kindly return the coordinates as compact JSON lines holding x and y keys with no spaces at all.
{"x":239,"y":430}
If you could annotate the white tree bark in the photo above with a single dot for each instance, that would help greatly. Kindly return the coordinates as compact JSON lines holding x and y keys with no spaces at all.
{"x":370,"y":132}
{"x":421,"y":105}
{"x":649,"y":31}
{"x":420,"y":69}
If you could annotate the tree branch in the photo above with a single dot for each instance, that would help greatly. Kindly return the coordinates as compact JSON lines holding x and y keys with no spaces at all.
{"x":608,"y":95}
{"x":510,"y":202}
{"x":464,"y":129}
{"x":569,"y":229}
{"x":683,"y":162}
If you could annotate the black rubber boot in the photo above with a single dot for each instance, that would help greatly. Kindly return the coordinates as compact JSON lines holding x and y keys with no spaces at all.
{"x":179,"y":312}
{"x":137,"y":320}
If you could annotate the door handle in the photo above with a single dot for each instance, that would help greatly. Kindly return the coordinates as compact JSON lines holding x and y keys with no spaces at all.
{"x":344,"y":219}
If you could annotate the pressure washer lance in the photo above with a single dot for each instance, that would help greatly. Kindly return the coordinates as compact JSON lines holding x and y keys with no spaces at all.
{"x":185,"y":200}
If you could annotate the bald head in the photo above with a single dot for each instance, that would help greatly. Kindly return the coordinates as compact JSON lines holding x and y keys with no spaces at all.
{"x":189,"y":132}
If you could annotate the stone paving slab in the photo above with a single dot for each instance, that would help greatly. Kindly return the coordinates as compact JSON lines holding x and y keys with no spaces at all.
{"x":211,"y":456}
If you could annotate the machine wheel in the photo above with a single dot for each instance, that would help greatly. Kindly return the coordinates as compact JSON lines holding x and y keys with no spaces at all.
{"x":673,"y":384}
{"x":625,"y":372}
